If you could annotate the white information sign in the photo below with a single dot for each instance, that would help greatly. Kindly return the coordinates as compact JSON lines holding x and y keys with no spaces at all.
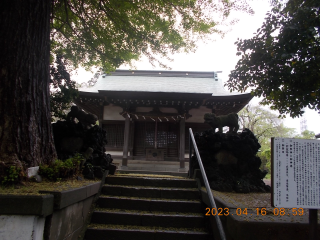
{"x":295,"y":173}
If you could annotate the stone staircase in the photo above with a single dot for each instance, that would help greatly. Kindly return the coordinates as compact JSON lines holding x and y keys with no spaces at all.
{"x":151,"y":166}
{"x":148,"y":208}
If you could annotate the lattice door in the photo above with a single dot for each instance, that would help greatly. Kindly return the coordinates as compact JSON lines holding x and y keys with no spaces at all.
{"x":143,"y":137}
{"x":172,"y":140}
{"x":115,"y":135}
{"x":167,"y":138}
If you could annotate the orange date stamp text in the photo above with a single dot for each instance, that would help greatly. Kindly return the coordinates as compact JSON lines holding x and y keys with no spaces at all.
{"x":255,"y":211}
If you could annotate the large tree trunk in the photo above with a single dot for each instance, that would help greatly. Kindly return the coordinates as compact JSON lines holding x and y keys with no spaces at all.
{"x":25,"y":128}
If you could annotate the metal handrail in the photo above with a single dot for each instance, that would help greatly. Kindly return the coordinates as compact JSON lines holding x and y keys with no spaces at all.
{"x":206,"y":183}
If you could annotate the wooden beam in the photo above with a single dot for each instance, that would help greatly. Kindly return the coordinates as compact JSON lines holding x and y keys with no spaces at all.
{"x":126,"y":141}
{"x":182,"y":142}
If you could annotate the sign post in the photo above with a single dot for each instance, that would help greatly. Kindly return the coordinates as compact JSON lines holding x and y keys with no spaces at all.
{"x":296,"y":176}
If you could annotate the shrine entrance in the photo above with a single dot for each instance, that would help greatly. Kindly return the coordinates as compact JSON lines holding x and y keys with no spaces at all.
{"x":147,"y":114}
{"x":156,"y":141}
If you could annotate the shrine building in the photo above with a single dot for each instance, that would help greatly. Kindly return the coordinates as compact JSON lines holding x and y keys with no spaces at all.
{"x":147,"y":114}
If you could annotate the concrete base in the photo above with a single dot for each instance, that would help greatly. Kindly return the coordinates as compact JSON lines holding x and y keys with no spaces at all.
{"x":68,"y":222}
{"x":58,"y":215}
{"x":20,"y":227}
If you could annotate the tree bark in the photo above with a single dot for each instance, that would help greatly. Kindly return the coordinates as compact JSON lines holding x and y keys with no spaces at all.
{"x":25,"y":128}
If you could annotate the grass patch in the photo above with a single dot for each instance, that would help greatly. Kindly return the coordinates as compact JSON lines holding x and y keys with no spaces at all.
{"x":152,"y":187}
{"x":144,"y":228}
{"x":33,"y":188}
{"x":116,"y":210}
{"x":150,"y":199}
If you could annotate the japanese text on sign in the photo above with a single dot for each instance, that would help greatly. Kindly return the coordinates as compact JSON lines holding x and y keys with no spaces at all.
{"x":296,"y":172}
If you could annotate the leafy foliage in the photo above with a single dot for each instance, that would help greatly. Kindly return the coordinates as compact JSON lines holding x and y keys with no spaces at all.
{"x":264,"y":124}
{"x":61,"y":169}
{"x":282,"y":61}
{"x":306,"y":134}
{"x":93,"y":80}
{"x":63,"y":89}
{"x":109,"y":33}
{"x":12,"y":175}
{"x":265,"y":157}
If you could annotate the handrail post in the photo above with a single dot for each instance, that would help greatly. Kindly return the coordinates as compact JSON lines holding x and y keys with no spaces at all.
{"x":190,"y":155}
{"x":206,"y":183}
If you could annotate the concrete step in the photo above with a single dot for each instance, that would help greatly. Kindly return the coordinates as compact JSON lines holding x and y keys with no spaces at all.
{"x":150,"y":192}
{"x":152,"y":166}
{"x":155,"y":169}
{"x":146,"y":204}
{"x":143,"y":218}
{"x":101,"y":232}
{"x":148,"y":207}
{"x":180,"y":174}
{"x":152,"y":181}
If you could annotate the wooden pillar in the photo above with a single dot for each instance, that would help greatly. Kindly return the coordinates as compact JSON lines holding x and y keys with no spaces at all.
{"x":182,"y":142}
{"x":155,"y":135}
{"x":100,"y":116}
{"x":126,"y":142}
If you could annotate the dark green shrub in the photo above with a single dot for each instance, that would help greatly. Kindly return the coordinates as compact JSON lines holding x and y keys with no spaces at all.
{"x":11,"y":175}
{"x":62,"y":169}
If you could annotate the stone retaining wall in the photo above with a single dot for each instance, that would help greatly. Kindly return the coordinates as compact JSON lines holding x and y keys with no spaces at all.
{"x":56,"y":215}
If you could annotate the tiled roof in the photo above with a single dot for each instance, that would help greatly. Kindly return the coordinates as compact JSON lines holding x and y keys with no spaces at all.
{"x":165,"y":81}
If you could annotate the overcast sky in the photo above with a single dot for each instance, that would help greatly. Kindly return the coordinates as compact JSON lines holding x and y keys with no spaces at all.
{"x":220,"y":55}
